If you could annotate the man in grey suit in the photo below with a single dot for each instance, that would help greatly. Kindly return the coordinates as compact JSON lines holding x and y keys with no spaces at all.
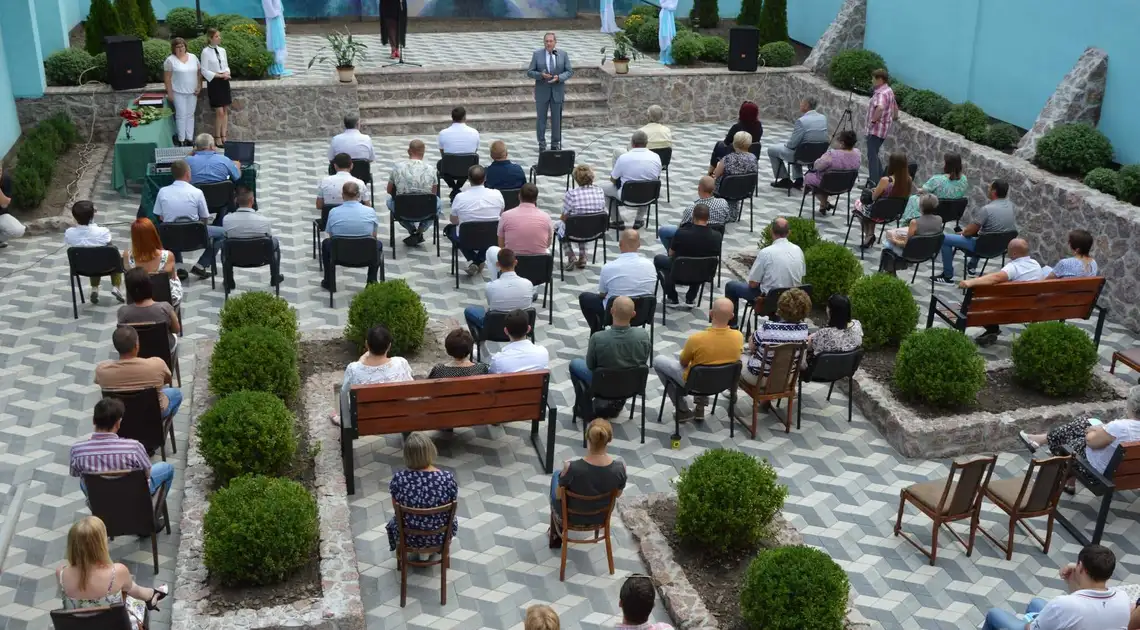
{"x":550,"y":69}
{"x":810,"y":127}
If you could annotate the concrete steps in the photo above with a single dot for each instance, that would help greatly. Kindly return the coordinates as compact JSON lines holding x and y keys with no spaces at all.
{"x":510,"y":121}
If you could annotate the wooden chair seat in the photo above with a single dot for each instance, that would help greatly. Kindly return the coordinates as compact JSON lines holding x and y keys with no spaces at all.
{"x":929,"y":494}
{"x":403,"y":560}
{"x":1004,"y":492}
{"x":779,"y":384}
{"x":601,"y":531}
{"x":956,"y":498}
{"x":1033,"y":495}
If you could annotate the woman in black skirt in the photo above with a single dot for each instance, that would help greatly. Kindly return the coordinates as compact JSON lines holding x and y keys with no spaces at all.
{"x":216,"y":70}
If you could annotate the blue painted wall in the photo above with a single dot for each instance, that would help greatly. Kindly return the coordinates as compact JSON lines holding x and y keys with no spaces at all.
{"x":808,"y":19}
{"x":9,"y":124}
{"x":22,"y":48}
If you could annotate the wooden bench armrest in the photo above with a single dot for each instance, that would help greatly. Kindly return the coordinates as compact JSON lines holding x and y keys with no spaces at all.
{"x":1079,"y":460}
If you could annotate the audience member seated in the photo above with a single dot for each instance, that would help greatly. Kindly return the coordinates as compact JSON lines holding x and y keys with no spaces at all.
{"x":716,"y":345}
{"x":739,"y":162}
{"x":502,"y":173}
{"x":180,"y":202}
{"x":422,"y":486}
{"x":207,"y":166}
{"x":999,"y":215}
{"x":788,"y":327}
{"x":245,"y":222}
{"x":1090,"y":603}
{"x":595,"y":473}
{"x":636,"y":603}
{"x":659,"y":136}
{"x":374,"y":366}
{"x":524,"y":229}
{"x":748,"y":120}
{"x":504,"y":294}
{"x":350,"y":219}
{"x":413,"y":176}
{"x":457,"y":139}
{"x":843,"y":155}
{"x":146,"y":253}
{"x":87,"y":233}
{"x":1020,"y":268}
{"x":141,"y":307}
{"x":777,"y":266}
{"x":639,"y":164}
{"x":477,"y":203}
{"x":618,"y":347}
{"x":10,"y":226}
{"x":458,"y":345}
{"x":842,"y":334}
{"x":949,"y":184}
{"x":896,"y":183}
{"x":1081,"y":264}
{"x":541,"y":617}
{"x":811,"y":126}
{"x":106,"y":452}
{"x":719,"y":211}
{"x":692,"y":240}
{"x":90,"y":579}
{"x":357,"y":145}
{"x":929,"y":223}
{"x":584,"y":198}
{"x":328,"y":191}
{"x":132,"y":373}
{"x":521,"y":354}
{"x":630,"y":274}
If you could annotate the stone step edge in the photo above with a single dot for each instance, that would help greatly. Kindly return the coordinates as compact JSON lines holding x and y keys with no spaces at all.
{"x":395,"y":71}
{"x":449,"y":85}
{"x":444,"y":120}
{"x":471,"y":103}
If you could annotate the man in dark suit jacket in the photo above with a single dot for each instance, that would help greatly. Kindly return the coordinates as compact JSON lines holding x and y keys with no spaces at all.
{"x":550,"y":69}
{"x":692,"y":240}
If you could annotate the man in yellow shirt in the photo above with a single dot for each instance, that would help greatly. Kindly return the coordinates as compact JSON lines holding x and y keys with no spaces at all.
{"x":716,"y":345}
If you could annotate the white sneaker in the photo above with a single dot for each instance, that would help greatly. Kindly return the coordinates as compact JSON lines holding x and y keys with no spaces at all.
{"x":117,"y":294}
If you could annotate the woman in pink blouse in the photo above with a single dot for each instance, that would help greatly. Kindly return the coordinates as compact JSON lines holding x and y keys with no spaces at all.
{"x":842,"y":156}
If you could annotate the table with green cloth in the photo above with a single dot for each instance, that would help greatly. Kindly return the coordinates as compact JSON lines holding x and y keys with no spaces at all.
{"x":156,"y":179}
{"x":132,"y":155}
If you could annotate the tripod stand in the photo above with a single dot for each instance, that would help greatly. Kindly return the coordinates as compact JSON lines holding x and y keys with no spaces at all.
{"x":401,"y":62}
{"x":847,"y":120}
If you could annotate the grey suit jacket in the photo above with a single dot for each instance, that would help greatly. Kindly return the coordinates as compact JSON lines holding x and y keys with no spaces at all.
{"x":811,"y":127}
{"x":544,"y":91}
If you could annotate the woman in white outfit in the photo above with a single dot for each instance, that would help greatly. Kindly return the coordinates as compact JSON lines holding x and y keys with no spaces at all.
{"x":216,"y":72}
{"x":183,"y":83}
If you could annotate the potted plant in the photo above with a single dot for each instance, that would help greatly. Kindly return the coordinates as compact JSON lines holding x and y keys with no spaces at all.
{"x":345,"y":52}
{"x":623,"y":52}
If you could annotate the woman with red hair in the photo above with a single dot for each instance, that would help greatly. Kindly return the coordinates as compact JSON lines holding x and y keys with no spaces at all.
{"x":147,"y":252}
{"x":748,"y":120}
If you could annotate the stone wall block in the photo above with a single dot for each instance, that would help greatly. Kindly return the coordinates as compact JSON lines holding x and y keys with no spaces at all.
{"x":1077,"y":99}
{"x":845,"y":33}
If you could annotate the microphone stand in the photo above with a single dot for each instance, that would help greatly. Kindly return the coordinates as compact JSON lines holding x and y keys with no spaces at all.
{"x":400,"y":38}
{"x":400,"y":61}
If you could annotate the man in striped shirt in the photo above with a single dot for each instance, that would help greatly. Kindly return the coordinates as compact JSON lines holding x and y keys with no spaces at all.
{"x":106,"y":452}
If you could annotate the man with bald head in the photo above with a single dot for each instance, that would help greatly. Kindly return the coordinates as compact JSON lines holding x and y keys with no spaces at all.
{"x":618,"y":347}
{"x":1020,"y":268}
{"x":716,"y":345}
{"x":778,"y":266}
{"x":630,"y":274}
{"x":719,"y":211}
{"x":639,"y":164}
{"x":413,"y":176}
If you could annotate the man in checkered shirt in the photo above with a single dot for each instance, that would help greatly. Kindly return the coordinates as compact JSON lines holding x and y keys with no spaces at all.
{"x":719,"y":211}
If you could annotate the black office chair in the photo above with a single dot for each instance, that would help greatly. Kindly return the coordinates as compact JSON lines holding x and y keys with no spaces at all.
{"x":805,"y":155}
{"x":454,"y":166}
{"x":833,"y":183}
{"x":154,"y":341}
{"x":952,"y":210}
{"x":414,"y":208}
{"x":771,"y":301}
{"x":142,"y":419}
{"x":558,"y":163}
{"x":122,"y":500}
{"x":510,"y":198}
{"x":249,"y":253}
{"x":666,"y":155}
{"x":737,"y":188}
{"x":476,"y":235}
{"x":609,"y":385}
{"x":885,"y":210}
{"x":755,"y":149}
{"x":355,"y":252}
{"x":644,"y":307}
{"x":494,"y":325}
{"x":830,"y":367}
{"x":188,"y":236}
{"x":584,"y":228}
{"x":539,"y":269}
{"x":687,"y":271}
{"x":704,"y":380}
{"x":920,"y":249}
{"x":637,"y":195}
{"x":318,"y":227}
{"x":88,"y":262}
{"x":987,"y":246}
{"x":219,"y":198}
{"x":160,"y":287}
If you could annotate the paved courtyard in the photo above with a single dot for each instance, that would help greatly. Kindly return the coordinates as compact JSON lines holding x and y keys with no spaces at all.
{"x":843,"y":478}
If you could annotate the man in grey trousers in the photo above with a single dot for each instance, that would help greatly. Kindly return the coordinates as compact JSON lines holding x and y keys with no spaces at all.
{"x":811,"y":126}
{"x":550,"y":69}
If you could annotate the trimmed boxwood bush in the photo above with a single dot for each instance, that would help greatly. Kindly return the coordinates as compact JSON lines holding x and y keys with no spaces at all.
{"x":64,"y":128}
{"x":393,"y":304}
{"x":792,"y":588}
{"x":1128,"y":184}
{"x":830,"y":268}
{"x":851,"y":70}
{"x":259,"y":530}
{"x":1055,"y":358}
{"x":1073,"y":148}
{"x":1002,"y":136}
{"x":644,"y":10}
{"x":714,"y":48}
{"x":247,"y":433}
{"x":183,"y":22}
{"x":927,"y":105}
{"x":102,"y":20}
{"x":645,"y":37}
{"x":968,"y":120}
{"x":941,"y":367}
{"x":66,"y":66}
{"x":885,"y":308}
{"x":802,"y":232}
{"x":726,"y":499}
{"x":155,"y":52}
{"x":258,"y":308}
{"x":1102,"y":179}
{"x":28,"y":190}
{"x":687,"y":48}
{"x":255,"y":358}
{"x":901,"y":91}
{"x":198,"y":44}
{"x":778,"y":55}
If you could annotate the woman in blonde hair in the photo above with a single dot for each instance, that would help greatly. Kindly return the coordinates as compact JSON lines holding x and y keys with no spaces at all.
{"x":90,"y":579}
{"x":740,"y":162}
{"x":596,"y":473}
{"x":585,"y":198}
{"x":541,"y":617}
{"x":422,"y":486}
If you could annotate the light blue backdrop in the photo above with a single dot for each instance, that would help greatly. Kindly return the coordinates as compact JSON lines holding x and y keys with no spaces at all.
{"x":9,"y":125}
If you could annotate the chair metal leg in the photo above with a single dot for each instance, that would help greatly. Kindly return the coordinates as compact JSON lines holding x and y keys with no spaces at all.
{"x":850,"y":397}
{"x":561,"y":264}
{"x":72,"y":279}
{"x":800,"y":405}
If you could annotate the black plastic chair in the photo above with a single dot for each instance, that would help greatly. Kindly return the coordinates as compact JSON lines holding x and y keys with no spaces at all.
{"x":805,"y":155}
{"x":88,"y":262}
{"x":122,"y":500}
{"x":455,"y":166}
{"x":644,"y":308}
{"x":154,"y":341}
{"x":354,"y":252}
{"x":830,"y":367}
{"x":539,"y":269}
{"x":414,"y":208}
{"x":704,"y":380}
{"x":771,"y":300}
{"x":219,"y":198}
{"x":833,"y":183}
{"x":476,"y":235}
{"x":952,"y":210}
{"x":510,"y":198}
{"x":494,"y":325}
{"x":584,"y":228}
{"x":610,"y":385}
{"x":666,"y":155}
{"x":142,"y":419}
{"x":160,"y":288}
{"x":362,"y":170}
{"x":248,"y":253}
{"x":687,"y":271}
{"x":318,"y":227}
{"x":113,"y":617}
{"x":920,"y":249}
{"x":988,"y":246}
{"x":188,"y":236}
{"x":558,"y":163}
{"x":737,"y":188}
{"x":638,"y":195}
{"x":885,"y":210}
{"x":755,"y":149}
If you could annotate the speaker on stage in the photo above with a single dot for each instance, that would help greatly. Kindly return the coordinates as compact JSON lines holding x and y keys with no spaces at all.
{"x":743,"y":48}
{"x":125,"y":67}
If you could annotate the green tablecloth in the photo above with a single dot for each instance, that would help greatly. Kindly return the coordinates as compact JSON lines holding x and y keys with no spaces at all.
{"x":155,"y":180}
{"x":132,"y":155}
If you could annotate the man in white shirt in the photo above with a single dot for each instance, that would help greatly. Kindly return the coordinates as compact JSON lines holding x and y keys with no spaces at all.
{"x":328,"y":191}
{"x":639,"y":164}
{"x":357,"y":145}
{"x":245,"y":222}
{"x":1090,"y":604}
{"x":87,"y":234}
{"x":181,"y":202}
{"x":1020,"y":268}
{"x":477,"y":203}
{"x":521,"y":354}
{"x":508,"y":292}
{"x":458,"y":139}
{"x":778,"y":266}
{"x":630,"y":274}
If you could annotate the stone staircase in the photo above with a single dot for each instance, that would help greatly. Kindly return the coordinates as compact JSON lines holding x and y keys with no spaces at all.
{"x":419,"y":101}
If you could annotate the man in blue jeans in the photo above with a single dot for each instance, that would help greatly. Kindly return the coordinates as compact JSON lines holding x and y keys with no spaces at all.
{"x":999,"y":215}
{"x":106,"y":452}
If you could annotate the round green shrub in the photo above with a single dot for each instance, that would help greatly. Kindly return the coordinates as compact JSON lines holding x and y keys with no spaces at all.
{"x":64,"y":67}
{"x":726,"y":499}
{"x":1002,"y":136}
{"x":39,"y":153}
{"x":968,"y":120}
{"x":647,"y":10}
{"x":255,"y":358}
{"x":393,"y":304}
{"x":223,"y":21}
{"x":802,"y":232}
{"x":901,"y":91}
{"x":1102,"y":179}
{"x":28,"y":190}
{"x":259,"y":530}
{"x":258,"y":308}
{"x":248,"y":57}
{"x":940,"y":366}
{"x":198,"y":44}
{"x":851,"y":70}
{"x":645,"y":37}
{"x":183,"y":22}
{"x":778,"y":55}
{"x":1055,"y":358}
{"x":247,"y":433}
{"x":714,"y":49}
{"x":65,"y":128}
{"x":830,"y":268}
{"x":1128,"y":184}
{"x":99,"y":72}
{"x":687,"y":48}
{"x":927,"y":105}
{"x":1073,"y":148}
{"x":792,"y":588}
{"x":155,"y":52}
{"x":885,"y":308}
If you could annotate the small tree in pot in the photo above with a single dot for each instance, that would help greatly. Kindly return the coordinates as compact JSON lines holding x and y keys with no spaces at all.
{"x":623,"y":52}
{"x":345,"y":52}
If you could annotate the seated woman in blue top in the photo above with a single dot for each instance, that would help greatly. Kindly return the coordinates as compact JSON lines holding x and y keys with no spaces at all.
{"x":1080,"y":264}
{"x":421,"y":486}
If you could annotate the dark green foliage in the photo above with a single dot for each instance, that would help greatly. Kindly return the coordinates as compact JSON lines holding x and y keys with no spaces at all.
{"x":66,"y":66}
{"x":183,"y":22}
{"x":707,"y":13}
{"x":774,"y":22}
{"x":131,"y":19}
{"x":778,"y":55}
{"x":645,"y":37}
{"x":198,"y":44}
{"x":750,"y":13}
{"x":1054,"y":358}
{"x":28,"y":190}
{"x":884,"y":306}
{"x":258,"y":308}
{"x":63,"y":126}
{"x":1103,"y":179}
{"x":39,"y":152}
{"x":255,"y":358}
{"x":902,"y":91}
{"x":646,"y":10}
{"x":259,"y":530}
{"x":714,"y":48}
{"x":155,"y":52}
{"x":146,"y":12}
{"x":99,"y":73}
{"x":36,"y":158}
{"x":102,"y":20}
{"x":851,"y":70}
{"x":727,"y":500}
{"x":247,"y":433}
{"x":831,"y":268}
{"x":1002,"y":136}
{"x":223,"y":21}
{"x":941,"y":367}
{"x":1073,"y":148}
{"x":927,"y":105}
{"x":687,"y":48}
{"x":1128,"y":184}
{"x":792,"y":588}
{"x":802,"y":232}
{"x":393,"y":304}
{"x":968,"y":120}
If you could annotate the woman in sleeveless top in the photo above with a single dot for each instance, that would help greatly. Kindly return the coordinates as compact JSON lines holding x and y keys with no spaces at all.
{"x":896,"y":183}
{"x":146,"y":252}
{"x":90,"y":579}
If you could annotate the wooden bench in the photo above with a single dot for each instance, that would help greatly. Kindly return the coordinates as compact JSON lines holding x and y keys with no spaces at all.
{"x":449,"y":403}
{"x":1122,"y":473}
{"x":1023,"y":303}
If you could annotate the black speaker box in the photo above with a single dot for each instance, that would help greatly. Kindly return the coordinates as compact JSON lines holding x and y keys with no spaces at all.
{"x":743,"y":48}
{"x":125,"y":67}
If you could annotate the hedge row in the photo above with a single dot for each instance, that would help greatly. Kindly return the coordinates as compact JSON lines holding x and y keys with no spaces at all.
{"x":690,"y":47}
{"x":37,"y":156}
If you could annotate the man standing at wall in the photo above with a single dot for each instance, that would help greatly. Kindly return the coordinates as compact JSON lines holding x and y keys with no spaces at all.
{"x":882,"y":111}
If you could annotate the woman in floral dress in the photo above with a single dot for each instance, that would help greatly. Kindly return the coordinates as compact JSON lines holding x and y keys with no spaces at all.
{"x":421,"y":485}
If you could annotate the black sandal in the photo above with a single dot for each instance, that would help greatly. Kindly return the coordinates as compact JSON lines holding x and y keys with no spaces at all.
{"x":152,"y":603}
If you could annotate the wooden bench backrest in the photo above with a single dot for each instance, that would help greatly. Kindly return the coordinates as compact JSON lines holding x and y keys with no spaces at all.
{"x":447,"y":403}
{"x":1127,"y":474}
{"x":1037,"y":301}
